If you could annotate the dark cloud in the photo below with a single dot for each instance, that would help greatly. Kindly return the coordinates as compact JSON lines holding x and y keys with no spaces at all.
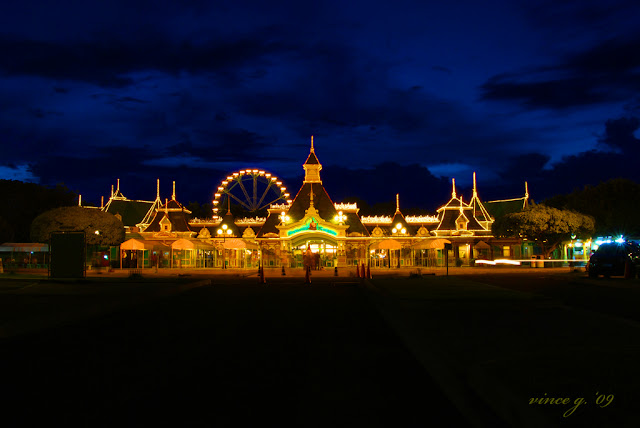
{"x":617,"y":158}
{"x":106,"y":62}
{"x":415,"y":184}
{"x":605,"y":73}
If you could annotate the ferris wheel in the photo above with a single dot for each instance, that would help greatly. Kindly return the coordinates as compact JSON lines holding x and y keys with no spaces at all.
{"x":252,"y":189}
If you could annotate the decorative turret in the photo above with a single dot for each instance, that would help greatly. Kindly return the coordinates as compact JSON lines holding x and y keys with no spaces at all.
{"x":458,"y":218}
{"x":312,"y":167}
{"x":479,"y":211}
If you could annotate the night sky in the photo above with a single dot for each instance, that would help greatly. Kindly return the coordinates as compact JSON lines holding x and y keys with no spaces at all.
{"x":399,"y":95}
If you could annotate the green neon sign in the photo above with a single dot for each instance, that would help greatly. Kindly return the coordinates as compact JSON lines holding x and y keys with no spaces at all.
{"x":308,"y":226}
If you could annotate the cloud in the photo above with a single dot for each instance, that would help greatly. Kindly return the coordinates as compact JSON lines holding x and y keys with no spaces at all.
{"x":107,"y":62}
{"x":608,"y":72}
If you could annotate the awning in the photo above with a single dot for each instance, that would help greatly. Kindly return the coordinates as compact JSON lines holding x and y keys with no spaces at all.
{"x":24,"y":247}
{"x":139,"y":245}
{"x":482,"y":246}
{"x":188,"y":244}
{"x":387,"y":244}
{"x":132,"y":244}
{"x":431,"y":244}
{"x":239,"y":244}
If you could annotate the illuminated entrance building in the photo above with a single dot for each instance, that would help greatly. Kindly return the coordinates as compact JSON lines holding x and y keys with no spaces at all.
{"x":313,"y":230}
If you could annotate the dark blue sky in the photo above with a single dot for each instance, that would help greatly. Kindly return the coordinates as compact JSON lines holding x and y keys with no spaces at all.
{"x":544,"y":91}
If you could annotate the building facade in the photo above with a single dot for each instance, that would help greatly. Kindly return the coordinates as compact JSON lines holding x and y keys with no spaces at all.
{"x":312,"y":230}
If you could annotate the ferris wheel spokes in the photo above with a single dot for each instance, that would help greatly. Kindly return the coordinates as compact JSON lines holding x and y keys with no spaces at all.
{"x":262,"y":183}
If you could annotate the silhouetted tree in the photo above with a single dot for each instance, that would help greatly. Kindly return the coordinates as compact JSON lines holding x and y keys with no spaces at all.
{"x":547,"y":225}
{"x":614,"y":205}
{"x":6,"y":231}
{"x":110,"y":229}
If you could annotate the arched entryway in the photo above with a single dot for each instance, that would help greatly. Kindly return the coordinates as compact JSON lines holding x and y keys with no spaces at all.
{"x":315,"y":250}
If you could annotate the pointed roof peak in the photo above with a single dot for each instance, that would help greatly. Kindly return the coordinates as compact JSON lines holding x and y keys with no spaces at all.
{"x":397,"y":202}
{"x":117,"y":194}
{"x":312,"y":167}
{"x":475,"y":189}
{"x":312,"y":159}
{"x":453,"y":192}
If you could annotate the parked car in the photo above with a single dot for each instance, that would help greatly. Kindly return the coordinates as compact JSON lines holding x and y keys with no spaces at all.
{"x":611,"y":259}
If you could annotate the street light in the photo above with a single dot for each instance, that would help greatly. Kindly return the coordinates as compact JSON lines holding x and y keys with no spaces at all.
{"x":224,"y":232}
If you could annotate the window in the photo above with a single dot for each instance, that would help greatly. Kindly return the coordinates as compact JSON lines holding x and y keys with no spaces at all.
{"x":506,"y":251}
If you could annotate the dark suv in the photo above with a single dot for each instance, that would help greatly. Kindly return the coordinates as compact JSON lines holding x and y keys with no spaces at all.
{"x":611,"y":259}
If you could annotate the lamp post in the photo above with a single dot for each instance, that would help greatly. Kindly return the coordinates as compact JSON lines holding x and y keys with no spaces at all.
{"x":224,"y":232}
{"x":283,"y":217}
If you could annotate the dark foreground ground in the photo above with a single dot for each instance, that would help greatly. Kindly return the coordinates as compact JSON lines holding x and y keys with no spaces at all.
{"x":232,"y":353}
{"x":191,"y":349}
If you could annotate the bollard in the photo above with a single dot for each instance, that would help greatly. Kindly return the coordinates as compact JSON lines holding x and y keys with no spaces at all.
{"x":357,"y":271}
{"x":369,"y":271}
{"x":307,"y":276}
{"x":1,"y":267}
{"x":335,"y":271}
{"x":362,"y":271}
{"x":283,"y":272}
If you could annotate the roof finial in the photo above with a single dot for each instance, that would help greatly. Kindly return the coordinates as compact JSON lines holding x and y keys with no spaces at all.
{"x":228,"y":205}
{"x":166,"y":205}
{"x":526,"y":190}
{"x":118,"y":189}
{"x":112,"y":190}
{"x":475,"y":190}
{"x":101,"y":201}
{"x":174,"y":191}
{"x":79,"y":200}
{"x":158,"y":189}
{"x":397,"y":202}
{"x":312,"y":144}
{"x":453,"y":193}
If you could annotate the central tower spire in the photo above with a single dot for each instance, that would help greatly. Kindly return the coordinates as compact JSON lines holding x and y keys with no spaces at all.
{"x":312,"y":167}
